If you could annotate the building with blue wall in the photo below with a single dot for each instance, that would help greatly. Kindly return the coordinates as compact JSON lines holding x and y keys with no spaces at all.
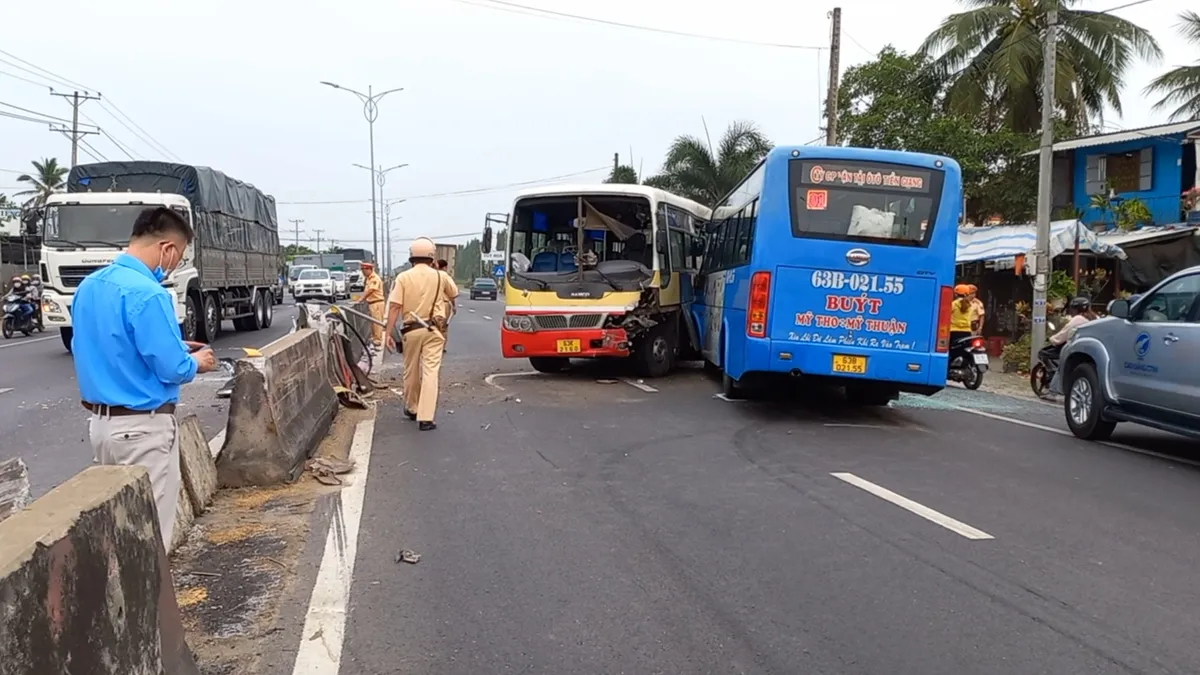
{"x":1154,"y":164}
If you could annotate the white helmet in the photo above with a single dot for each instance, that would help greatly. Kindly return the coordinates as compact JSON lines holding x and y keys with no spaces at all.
{"x":422,"y":248}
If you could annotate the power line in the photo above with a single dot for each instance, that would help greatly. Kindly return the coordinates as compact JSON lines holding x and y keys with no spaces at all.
{"x":34,"y":112}
{"x":52,"y":75}
{"x":23,"y":79}
{"x":456,"y":193}
{"x":23,"y":118}
{"x":144,"y":136}
{"x":503,"y":5}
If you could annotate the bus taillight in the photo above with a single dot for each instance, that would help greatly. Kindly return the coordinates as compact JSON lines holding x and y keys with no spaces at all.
{"x":943,"y":327}
{"x":760,"y":296}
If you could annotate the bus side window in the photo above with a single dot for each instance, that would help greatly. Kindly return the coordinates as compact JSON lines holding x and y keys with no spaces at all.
{"x":679,"y":251}
{"x":729,"y":241}
{"x":746,"y":233}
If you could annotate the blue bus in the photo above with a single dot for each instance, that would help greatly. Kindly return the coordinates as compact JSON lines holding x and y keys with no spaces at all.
{"x":836,"y":264}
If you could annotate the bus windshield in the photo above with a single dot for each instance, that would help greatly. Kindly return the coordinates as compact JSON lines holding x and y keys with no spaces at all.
{"x":864,"y":201}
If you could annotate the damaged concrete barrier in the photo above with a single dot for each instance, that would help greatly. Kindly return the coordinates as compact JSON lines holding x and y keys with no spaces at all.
{"x":280,"y":410}
{"x":199,"y":484}
{"x":85,"y":585}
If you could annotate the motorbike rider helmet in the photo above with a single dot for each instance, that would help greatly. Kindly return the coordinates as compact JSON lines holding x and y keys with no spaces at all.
{"x":37,"y":280}
{"x":1080,"y":305}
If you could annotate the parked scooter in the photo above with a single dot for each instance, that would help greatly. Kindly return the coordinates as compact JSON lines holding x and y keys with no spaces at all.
{"x":19,"y":315}
{"x":968,"y":361}
{"x":1042,"y":372}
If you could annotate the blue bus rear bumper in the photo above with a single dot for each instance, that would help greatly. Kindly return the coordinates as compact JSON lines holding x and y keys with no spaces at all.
{"x":910,"y":371}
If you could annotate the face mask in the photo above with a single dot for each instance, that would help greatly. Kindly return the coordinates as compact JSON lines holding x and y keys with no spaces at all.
{"x":159,"y":273}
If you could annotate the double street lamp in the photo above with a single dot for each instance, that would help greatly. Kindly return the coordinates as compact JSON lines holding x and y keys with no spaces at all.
{"x":370,"y":102}
{"x":380,"y":175}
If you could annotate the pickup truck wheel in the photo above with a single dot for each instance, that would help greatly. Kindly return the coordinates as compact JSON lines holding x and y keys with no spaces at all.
{"x":1084,"y":404}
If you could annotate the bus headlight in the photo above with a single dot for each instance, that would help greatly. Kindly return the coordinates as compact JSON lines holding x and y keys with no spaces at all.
{"x":518,"y":322}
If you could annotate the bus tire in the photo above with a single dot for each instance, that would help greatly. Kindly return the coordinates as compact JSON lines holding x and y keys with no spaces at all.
{"x":730,"y":388}
{"x":549,"y":364}
{"x":655,"y":350}
{"x":876,"y":395}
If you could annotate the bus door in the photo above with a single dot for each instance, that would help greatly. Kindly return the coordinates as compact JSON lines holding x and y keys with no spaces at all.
{"x":862,"y":278}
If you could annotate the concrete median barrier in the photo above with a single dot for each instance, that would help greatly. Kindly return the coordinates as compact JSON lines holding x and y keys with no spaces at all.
{"x":280,"y":410}
{"x":85,"y":582}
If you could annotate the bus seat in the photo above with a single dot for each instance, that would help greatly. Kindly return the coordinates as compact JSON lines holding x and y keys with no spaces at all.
{"x":566,"y":262}
{"x":546,"y":261}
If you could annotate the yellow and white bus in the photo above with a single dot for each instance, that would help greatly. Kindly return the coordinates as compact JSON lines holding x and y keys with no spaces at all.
{"x":603,"y":270}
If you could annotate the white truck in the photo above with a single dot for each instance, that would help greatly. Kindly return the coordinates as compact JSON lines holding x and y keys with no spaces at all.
{"x":229,"y":272}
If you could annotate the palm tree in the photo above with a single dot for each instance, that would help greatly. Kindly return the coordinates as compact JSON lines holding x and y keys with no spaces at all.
{"x":692,"y":169}
{"x":1182,"y":85}
{"x":46,"y":179}
{"x":991,"y":55}
{"x":622,"y":174}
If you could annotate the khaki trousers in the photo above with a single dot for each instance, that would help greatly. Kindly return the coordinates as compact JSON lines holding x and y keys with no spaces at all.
{"x":377,"y":313}
{"x":148,"y":441}
{"x":422,"y":365}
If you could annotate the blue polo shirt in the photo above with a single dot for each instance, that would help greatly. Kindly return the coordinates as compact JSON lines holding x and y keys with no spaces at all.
{"x":127,"y":347}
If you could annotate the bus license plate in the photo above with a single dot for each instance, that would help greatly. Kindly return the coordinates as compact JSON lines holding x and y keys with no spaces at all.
{"x":568,"y":347}
{"x":855,"y":365}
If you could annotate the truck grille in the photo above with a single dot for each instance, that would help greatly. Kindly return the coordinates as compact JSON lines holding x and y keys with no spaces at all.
{"x":564,"y":321}
{"x":72,"y":275}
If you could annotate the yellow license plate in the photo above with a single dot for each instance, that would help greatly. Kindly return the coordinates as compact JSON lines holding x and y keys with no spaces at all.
{"x":569,"y":347}
{"x":855,"y":365}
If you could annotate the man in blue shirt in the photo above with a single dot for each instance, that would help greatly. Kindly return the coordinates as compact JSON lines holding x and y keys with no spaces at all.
{"x":130,"y":360}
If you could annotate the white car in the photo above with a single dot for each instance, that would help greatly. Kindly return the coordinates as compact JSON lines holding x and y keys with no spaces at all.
{"x":315,"y":283}
{"x":341,"y":287}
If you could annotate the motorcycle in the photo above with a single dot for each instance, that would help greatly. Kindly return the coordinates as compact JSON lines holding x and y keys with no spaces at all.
{"x":19,"y":315}
{"x":1042,"y":372}
{"x":968,"y":361}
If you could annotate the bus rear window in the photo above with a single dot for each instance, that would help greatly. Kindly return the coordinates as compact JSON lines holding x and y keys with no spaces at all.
{"x":864,"y":201}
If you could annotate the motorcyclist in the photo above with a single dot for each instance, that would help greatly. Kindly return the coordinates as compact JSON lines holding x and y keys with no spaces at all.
{"x":22,"y":291}
{"x":1080,"y":311}
{"x":35,"y":294}
{"x":962,"y":314}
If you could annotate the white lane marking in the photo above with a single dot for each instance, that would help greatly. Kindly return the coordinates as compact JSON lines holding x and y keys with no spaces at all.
{"x":29,"y":342}
{"x":470,"y":310}
{"x":1064,"y":432}
{"x":485,"y":316}
{"x":491,"y":379}
{"x":846,"y":425}
{"x":5,"y":390}
{"x":643,"y":387}
{"x":215,"y":444}
{"x":725,"y":398}
{"x":909,"y":505}
{"x":320,"y":650}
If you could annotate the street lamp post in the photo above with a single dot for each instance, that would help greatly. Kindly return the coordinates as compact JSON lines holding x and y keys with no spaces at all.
{"x":380,"y":175}
{"x":388,"y":237}
{"x":371,"y":112}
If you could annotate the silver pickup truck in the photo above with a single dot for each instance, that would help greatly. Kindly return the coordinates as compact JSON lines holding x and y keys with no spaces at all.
{"x":1140,"y":364}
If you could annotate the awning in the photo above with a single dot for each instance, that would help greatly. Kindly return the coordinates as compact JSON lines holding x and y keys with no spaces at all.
{"x":1008,"y":241}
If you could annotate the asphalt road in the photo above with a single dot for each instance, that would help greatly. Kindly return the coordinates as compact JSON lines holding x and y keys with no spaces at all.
{"x":42,"y":421}
{"x":572,"y":526}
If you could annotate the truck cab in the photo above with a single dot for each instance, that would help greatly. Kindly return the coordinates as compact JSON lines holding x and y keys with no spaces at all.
{"x":86,"y":231}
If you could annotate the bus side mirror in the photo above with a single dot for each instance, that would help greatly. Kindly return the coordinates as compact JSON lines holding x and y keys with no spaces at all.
{"x":486,"y":244}
{"x":660,"y":241}
{"x":1119,"y":309}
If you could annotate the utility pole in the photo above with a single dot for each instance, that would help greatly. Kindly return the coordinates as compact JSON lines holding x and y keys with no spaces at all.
{"x":320,"y":255}
{"x":616,"y":163}
{"x":1041,"y":272}
{"x":831,"y":100}
{"x":296,"y":226}
{"x":76,"y":99}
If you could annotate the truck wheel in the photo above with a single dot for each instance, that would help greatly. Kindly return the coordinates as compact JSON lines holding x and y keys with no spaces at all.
{"x":211,"y":319}
{"x":190,"y":319}
{"x":66,"y":334}
{"x":1084,"y":404}
{"x":268,"y":309}
{"x":252,"y":321}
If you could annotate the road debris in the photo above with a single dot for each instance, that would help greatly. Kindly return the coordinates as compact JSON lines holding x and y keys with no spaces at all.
{"x":605,"y":381}
{"x":410,"y":557}
{"x":327,"y":469}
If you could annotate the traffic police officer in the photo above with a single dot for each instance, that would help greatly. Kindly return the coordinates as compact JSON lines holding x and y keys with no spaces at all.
{"x":130,"y":360}
{"x":418,"y":304}
{"x":451,"y":306}
{"x":373,"y":296}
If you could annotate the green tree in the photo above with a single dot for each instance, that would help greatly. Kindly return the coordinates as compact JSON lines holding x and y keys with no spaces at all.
{"x":292,"y":250}
{"x":897,"y":102}
{"x":502,"y":240}
{"x":695,"y":170}
{"x":622,"y":174}
{"x":468,"y":260}
{"x":1180,"y":86}
{"x":47,"y":178}
{"x":991,"y":55}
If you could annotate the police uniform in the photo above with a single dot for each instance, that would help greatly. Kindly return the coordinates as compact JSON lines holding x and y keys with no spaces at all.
{"x":376,"y":303}
{"x":422,"y":292}
{"x":449,"y":309}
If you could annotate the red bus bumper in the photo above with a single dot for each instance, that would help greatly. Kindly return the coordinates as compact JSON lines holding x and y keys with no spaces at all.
{"x":591,"y":343}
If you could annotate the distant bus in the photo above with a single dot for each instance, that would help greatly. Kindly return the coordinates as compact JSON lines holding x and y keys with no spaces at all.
{"x":836,"y":264}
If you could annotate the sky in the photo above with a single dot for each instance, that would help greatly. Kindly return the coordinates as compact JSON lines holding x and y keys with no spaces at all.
{"x":493,"y":96}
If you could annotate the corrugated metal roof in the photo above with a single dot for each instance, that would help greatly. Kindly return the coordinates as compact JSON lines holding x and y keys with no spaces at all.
{"x":1127,"y":135}
{"x":1145,"y":235}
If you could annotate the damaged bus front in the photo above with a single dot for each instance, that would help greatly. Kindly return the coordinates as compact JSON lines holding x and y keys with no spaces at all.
{"x":602,"y":271}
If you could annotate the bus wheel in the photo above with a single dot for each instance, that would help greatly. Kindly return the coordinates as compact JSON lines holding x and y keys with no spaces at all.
{"x":870,"y":395}
{"x":730,"y":388}
{"x":549,"y":364}
{"x":655,"y":351}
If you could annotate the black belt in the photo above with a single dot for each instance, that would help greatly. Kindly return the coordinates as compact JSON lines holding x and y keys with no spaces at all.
{"x":374,"y":302}
{"x":410,"y":327}
{"x":121,"y":411}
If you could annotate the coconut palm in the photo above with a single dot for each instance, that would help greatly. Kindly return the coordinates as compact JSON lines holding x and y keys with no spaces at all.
{"x":991,"y":55}
{"x":46,"y":179}
{"x":622,"y":174}
{"x":1181,"y":86}
{"x":693,"y":169}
